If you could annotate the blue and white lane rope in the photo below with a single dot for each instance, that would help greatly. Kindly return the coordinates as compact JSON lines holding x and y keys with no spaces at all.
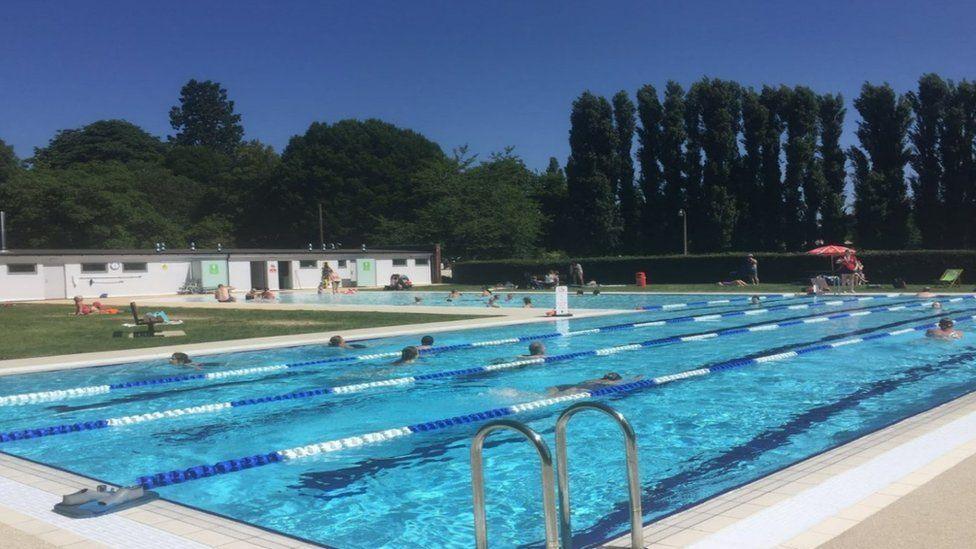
{"x":672,"y":306}
{"x":215,"y":407}
{"x":75,"y":392}
{"x":167,"y":478}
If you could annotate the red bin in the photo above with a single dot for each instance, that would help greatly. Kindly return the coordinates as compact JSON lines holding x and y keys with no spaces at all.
{"x":641,"y":279}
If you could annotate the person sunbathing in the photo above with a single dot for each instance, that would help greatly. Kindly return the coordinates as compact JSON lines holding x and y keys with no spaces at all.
{"x":735,"y":282}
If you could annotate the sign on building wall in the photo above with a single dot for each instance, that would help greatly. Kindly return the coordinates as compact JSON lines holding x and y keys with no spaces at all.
{"x":562,"y":301}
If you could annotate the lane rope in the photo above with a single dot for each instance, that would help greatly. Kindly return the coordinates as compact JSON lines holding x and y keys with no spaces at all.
{"x":90,"y":425}
{"x":168,"y":478}
{"x":76,"y":392}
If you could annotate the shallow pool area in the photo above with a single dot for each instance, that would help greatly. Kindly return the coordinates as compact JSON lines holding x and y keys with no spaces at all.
{"x":344,"y":448}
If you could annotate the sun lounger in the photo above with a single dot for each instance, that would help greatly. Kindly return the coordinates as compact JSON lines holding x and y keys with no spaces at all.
{"x":819,"y":285}
{"x":950,"y":277}
{"x":151,"y":323}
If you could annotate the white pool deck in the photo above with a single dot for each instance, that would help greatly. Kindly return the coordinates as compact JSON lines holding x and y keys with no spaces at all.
{"x":804,"y":505}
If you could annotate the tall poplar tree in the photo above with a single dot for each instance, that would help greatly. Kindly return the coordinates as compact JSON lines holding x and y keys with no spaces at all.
{"x":649,"y":137}
{"x":929,"y":107}
{"x":755,"y":119}
{"x":882,"y":133}
{"x":773,"y":203}
{"x":631,"y":202}
{"x":590,"y":174}
{"x":833,"y":218}
{"x":803,"y":193}
{"x":718,"y":103}
{"x":671,"y":154}
{"x":959,"y":165}
{"x":693,"y":167}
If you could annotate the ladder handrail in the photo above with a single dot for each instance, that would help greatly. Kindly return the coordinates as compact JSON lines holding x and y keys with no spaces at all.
{"x":633,"y":476}
{"x":478,"y":480}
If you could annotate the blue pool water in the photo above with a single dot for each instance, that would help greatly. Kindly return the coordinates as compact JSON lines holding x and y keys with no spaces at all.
{"x":540,"y":299}
{"x":697,"y":436}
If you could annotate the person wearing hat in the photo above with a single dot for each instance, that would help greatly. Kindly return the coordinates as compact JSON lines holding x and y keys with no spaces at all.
{"x":752,"y":270}
{"x":946,"y":331}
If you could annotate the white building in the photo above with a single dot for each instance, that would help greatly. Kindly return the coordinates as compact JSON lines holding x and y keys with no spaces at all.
{"x":60,"y":274}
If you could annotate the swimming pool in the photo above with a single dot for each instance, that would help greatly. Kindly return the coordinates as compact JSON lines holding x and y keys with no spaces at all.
{"x":349,"y":452}
{"x":540,"y":299}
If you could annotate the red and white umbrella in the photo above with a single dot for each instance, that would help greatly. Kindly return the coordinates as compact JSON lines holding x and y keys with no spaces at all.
{"x":831,"y":250}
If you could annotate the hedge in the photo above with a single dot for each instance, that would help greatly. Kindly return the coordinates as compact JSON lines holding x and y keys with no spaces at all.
{"x":881,"y":267}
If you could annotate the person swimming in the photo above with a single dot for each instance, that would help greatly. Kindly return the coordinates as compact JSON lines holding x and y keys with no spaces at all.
{"x":946,"y":331}
{"x":937,"y":305}
{"x":340,"y":342}
{"x":417,"y":300}
{"x":184,"y":360}
{"x":426,"y":342}
{"x":926,"y":292}
{"x":755,"y":300}
{"x":526,"y":302}
{"x":407,"y":355}
{"x":509,"y":297}
{"x":609,"y":379}
{"x":493,"y":302}
{"x":579,"y":291}
{"x":536,"y":349}
{"x":596,"y":291}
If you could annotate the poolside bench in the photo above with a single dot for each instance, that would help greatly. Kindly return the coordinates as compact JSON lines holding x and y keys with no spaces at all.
{"x":150,"y":324}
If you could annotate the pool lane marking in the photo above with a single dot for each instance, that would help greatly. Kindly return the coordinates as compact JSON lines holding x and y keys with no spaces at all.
{"x":48,"y":396}
{"x":22,"y":434}
{"x":168,"y":478}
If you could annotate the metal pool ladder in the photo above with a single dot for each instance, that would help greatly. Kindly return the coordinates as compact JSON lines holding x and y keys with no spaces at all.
{"x":548,"y":503}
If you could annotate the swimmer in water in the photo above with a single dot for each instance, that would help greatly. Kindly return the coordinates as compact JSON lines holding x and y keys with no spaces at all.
{"x":183,"y":360}
{"x":340,"y":342}
{"x":946,"y":331}
{"x":417,"y":300}
{"x":596,"y":291}
{"x":426,"y":342}
{"x":926,"y":292}
{"x":408,"y":355}
{"x":937,"y":305}
{"x":608,"y":380}
{"x":493,"y":302}
{"x":755,"y":300}
{"x":509,"y":297}
{"x":536,"y":349}
{"x":526,"y":302}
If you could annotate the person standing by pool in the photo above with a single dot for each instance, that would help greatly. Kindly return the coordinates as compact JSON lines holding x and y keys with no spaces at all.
{"x":752,"y":270}
{"x":848,"y":267}
{"x":222,"y":294}
{"x":576,"y":273}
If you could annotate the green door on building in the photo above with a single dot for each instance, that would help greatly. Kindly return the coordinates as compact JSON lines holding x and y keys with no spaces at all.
{"x":367,"y":272}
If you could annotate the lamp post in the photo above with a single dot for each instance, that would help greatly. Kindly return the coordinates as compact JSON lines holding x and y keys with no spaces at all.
{"x":684,"y":221}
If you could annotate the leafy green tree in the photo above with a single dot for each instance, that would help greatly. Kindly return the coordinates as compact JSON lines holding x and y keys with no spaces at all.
{"x":9,"y":163}
{"x":882,"y":133}
{"x":101,"y":141}
{"x":205,"y":117}
{"x":549,"y":191}
{"x":590,"y":172}
{"x":803,"y":193}
{"x":476,"y":212}
{"x":929,"y":107}
{"x":833,"y":219}
{"x":719,"y":107}
{"x":694,"y":199}
{"x":651,"y":178}
{"x":361,"y":171}
{"x":671,"y":155}
{"x":959,"y":165}
{"x":775,"y":214}
{"x":631,"y":202}
{"x":755,"y":119}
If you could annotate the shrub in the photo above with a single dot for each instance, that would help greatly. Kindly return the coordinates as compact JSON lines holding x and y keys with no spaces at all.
{"x":881,"y":267}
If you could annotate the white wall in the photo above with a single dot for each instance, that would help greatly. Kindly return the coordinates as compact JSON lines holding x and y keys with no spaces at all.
{"x":272,"y":275}
{"x":239,"y":274}
{"x":419,"y":275}
{"x":162,"y":277}
{"x":17,"y":286}
{"x":307,"y":278}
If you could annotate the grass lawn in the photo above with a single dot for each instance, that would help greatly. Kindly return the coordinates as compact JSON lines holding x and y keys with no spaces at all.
{"x":31,"y":330}
{"x":714,"y":288}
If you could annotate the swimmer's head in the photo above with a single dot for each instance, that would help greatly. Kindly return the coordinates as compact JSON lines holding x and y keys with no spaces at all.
{"x":946,"y":324}
{"x":755,"y":299}
{"x":409,"y":353}
{"x":417,"y":299}
{"x":527,"y":300}
{"x":579,"y":292}
{"x":612,"y":376}
{"x":596,"y":291}
{"x":179,"y":359}
{"x":336,"y":341}
{"x":79,"y":299}
{"x":937,"y":305}
{"x":536,"y":348}
{"x":427,"y":341}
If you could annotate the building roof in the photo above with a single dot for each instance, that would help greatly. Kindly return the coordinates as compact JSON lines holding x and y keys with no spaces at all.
{"x":214,"y":252}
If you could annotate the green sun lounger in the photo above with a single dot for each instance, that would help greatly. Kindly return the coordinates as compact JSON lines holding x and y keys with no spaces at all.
{"x":950,"y":277}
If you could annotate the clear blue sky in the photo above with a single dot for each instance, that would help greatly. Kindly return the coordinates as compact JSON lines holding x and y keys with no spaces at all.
{"x":488,"y":74}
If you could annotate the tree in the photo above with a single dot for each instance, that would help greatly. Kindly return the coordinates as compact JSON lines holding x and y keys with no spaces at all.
{"x":362,"y":172}
{"x":929,"y":106}
{"x":755,"y":120}
{"x":802,"y":185}
{"x":672,"y":160}
{"x":205,"y":117}
{"x":694,"y":200}
{"x":719,"y":107}
{"x":549,"y":192}
{"x":649,"y":137}
{"x":477,"y":212}
{"x":589,"y":176}
{"x":631,"y":202}
{"x":101,"y":141}
{"x":959,"y":165}
{"x":882,"y":133}
{"x":832,"y":216}
{"x":9,"y":163}
{"x":776,"y":215}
